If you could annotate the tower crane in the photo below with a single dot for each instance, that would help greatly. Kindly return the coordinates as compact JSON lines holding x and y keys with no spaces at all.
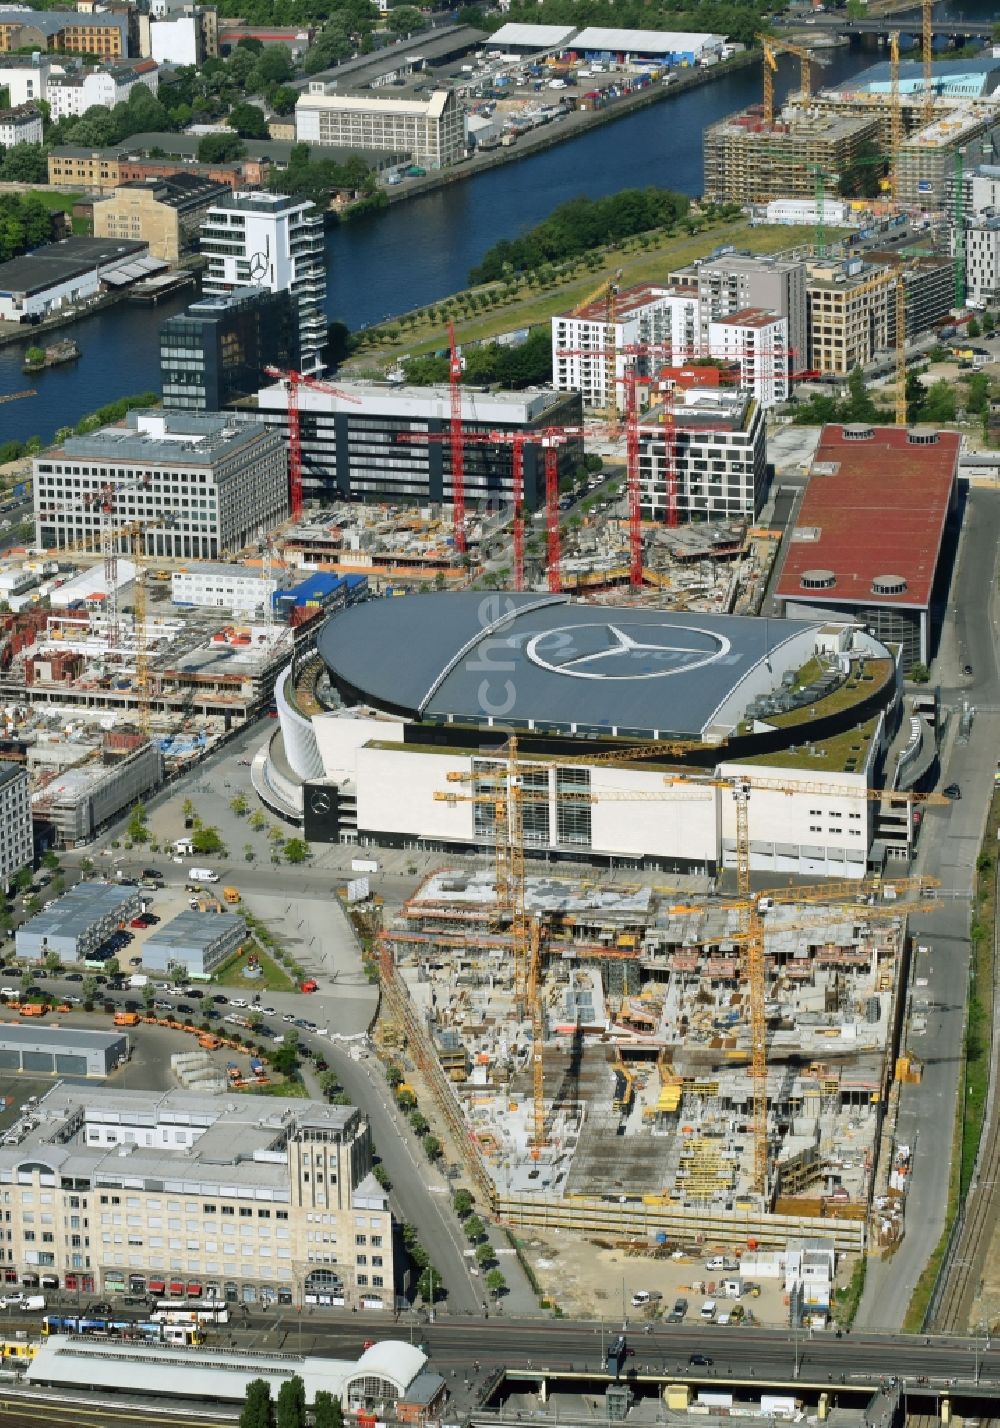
{"x":293,"y":380}
{"x":895,"y":115}
{"x":508,"y":794}
{"x":927,"y":41}
{"x":771,"y":45}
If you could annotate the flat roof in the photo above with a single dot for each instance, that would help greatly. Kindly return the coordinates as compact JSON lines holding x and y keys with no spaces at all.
{"x":194,"y":439}
{"x":73,"y":1038}
{"x":748,"y":317}
{"x":560,"y":664}
{"x":193,"y":931}
{"x":77,"y":910}
{"x":655,"y":42}
{"x":542,"y":37}
{"x":629,"y":300}
{"x":873,"y":514}
{"x":59,"y":262}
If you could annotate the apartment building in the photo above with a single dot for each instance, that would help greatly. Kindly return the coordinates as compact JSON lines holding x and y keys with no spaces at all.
{"x":352,"y":447}
{"x":735,"y":282}
{"x":172,"y":1193}
{"x":25,"y":77}
{"x":165,"y":213}
{"x":71,"y":94}
{"x":266,"y":240}
{"x":104,"y":33}
{"x":982,"y":260}
{"x":850,"y":309}
{"x":745,"y":161}
{"x":431,"y":131}
{"x":926,"y":164}
{"x":645,"y":317}
{"x":757,"y":342}
{"x":20,"y":126}
{"x":712,"y":454}
{"x":202,"y":485}
{"x":16,"y":839}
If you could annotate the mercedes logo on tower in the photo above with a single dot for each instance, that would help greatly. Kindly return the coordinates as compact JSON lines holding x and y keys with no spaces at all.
{"x":622,"y":651}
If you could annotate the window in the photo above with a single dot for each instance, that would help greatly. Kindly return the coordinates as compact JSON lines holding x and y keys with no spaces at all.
{"x":228,"y":1210}
{"x":245,"y":1212}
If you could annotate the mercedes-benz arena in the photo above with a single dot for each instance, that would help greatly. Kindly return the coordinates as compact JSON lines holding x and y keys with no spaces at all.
{"x":404,"y":693}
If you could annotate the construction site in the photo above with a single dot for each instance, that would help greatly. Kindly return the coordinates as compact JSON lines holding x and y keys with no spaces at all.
{"x":660,"y":1062}
{"x":912,"y":130}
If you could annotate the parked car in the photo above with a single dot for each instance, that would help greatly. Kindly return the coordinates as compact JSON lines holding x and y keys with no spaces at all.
{"x":952,"y":791}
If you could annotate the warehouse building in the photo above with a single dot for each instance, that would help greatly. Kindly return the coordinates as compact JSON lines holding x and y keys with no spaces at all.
{"x":352,"y":447}
{"x":16,"y":834}
{"x":869,"y":534}
{"x":277,"y":1197}
{"x":211,"y":483}
{"x":61,"y":1051}
{"x":78,"y":922}
{"x":196,"y":941}
{"x":515,"y":38}
{"x":670,"y":47}
{"x":431,"y":130}
{"x":71,"y":271}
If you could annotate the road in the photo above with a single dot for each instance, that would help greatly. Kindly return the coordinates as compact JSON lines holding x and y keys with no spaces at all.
{"x":949,"y":845}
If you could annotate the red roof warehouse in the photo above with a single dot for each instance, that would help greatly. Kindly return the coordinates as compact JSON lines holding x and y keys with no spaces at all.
{"x":867,"y":540}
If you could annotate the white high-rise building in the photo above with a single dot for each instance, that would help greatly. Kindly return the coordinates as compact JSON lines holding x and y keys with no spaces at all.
{"x":757,"y":341}
{"x":266,"y":240}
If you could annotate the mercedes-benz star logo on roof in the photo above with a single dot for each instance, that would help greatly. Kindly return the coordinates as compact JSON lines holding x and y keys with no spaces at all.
{"x":603,"y":650}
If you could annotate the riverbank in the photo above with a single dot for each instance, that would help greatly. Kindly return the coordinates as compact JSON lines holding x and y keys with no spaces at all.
{"x":572,"y":126}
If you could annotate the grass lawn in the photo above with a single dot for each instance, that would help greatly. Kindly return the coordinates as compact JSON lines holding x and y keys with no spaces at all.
{"x":278,"y":1088}
{"x":846,"y":694}
{"x":531,"y":307}
{"x":55,"y":201}
{"x":274,"y":978}
{"x":831,"y":754}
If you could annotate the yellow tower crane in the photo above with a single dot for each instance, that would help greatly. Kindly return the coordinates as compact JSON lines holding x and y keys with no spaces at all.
{"x":927,"y":18}
{"x":771,"y":46}
{"x":895,"y":116}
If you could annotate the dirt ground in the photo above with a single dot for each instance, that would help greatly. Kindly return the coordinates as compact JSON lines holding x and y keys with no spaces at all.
{"x":588,"y":1281}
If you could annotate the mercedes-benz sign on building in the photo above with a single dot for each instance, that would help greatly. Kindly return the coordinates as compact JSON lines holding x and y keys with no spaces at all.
{"x":403,"y":693}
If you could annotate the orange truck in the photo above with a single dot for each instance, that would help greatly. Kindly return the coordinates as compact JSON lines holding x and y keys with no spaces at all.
{"x":126,"y":1018}
{"x":32,"y":1009}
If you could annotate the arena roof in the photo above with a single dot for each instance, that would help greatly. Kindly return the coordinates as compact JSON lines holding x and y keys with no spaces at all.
{"x":475,"y":658}
{"x":870,"y":527}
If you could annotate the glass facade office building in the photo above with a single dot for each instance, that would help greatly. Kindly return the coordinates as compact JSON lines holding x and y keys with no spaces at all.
{"x":215,"y":352}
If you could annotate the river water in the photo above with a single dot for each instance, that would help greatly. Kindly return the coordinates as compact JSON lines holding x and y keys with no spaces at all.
{"x":421,"y":249}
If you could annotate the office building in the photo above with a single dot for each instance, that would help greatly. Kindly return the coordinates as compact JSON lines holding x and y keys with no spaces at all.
{"x":208,"y":484}
{"x":757,"y":342}
{"x":76,"y":924}
{"x":430,"y":130}
{"x":715,"y":447}
{"x":103,"y":33}
{"x":869,"y":534}
{"x":20,"y":126}
{"x":180,"y":1194}
{"x":16,"y":841}
{"x":643,"y":316}
{"x":215,"y":351}
{"x":351,"y":447}
{"x":265,"y":240}
{"x":165,"y":213}
{"x":851,"y":313}
{"x":196,"y":942}
{"x":79,"y":802}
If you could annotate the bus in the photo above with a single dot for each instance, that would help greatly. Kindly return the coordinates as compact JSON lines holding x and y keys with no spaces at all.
{"x":181,"y":1311}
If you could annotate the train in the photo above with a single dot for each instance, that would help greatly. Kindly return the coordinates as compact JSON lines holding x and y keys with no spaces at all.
{"x":152,"y":1331}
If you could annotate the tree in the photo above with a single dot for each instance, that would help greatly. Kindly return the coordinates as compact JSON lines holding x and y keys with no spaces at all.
{"x":207,"y":840}
{"x":327,"y":1410}
{"x":283,"y":99}
{"x":432,"y":1147}
{"x":258,"y":1410}
{"x":257,"y":820}
{"x":88,"y":990}
{"x":33,"y":905}
{"x":248,"y":852}
{"x":291,"y":1411}
{"x":239,"y":805}
{"x":939,"y":405}
{"x":50,"y":860}
{"x":393,"y":1075}
{"x":485,"y":1254}
{"x":429,"y":1285}
{"x":296,"y":850}
{"x":405,"y":20}
{"x":136,"y":829}
{"x":86,"y":867}
{"x":112,"y":967}
{"x":474,"y":1228}
{"x":285,"y":1060}
{"x":919,"y":673}
{"x":462,"y":1203}
{"x":274,"y":65}
{"x":419,"y":1123}
{"x":53,"y":962}
{"x":248,"y":121}
{"x":220,"y":149}
{"x":973,"y":328}
{"x":495,"y":1282}
{"x":859,"y":404}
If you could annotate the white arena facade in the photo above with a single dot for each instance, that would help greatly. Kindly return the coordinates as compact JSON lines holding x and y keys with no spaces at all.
{"x":400,"y":695}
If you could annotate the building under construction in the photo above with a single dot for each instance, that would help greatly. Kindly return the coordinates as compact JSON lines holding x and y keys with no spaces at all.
{"x":749,"y":161}
{"x":640,"y":1117}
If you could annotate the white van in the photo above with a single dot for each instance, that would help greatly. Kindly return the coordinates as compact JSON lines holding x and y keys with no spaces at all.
{"x":202,"y":875}
{"x":645,"y":1296}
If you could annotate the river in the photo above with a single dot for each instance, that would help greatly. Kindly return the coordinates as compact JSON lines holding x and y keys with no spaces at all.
{"x":421,"y":249}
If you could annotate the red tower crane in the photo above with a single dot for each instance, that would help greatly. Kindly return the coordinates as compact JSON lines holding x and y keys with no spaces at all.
{"x":294,"y":380}
{"x":456,"y":439}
